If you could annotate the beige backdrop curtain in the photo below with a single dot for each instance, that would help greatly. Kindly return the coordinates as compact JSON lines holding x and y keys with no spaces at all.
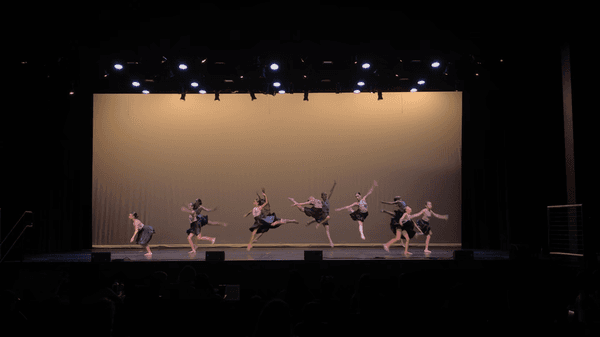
{"x":154,"y":153}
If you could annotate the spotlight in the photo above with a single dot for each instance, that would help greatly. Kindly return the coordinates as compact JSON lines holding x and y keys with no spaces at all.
{"x":118,"y":66}
{"x":183,"y":66}
{"x":195,"y":84}
{"x":145,"y":92}
{"x":202,"y":91}
{"x":366,"y":65}
{"x":435,"y":64}
{"x":135,"y":83}
{"x":276,"y":84}
{"x":361,"y":83}
{"x":274,"y":66}
{"x":282,"y":92}
{"x":413,"y":90}
{"x":356,"y":91}
{"x":421,"y":82}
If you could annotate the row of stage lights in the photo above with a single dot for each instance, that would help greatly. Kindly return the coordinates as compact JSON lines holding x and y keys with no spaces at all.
{"x":276,"y":84}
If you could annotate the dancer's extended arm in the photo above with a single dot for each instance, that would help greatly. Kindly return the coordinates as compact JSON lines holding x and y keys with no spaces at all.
{"x":371,"y":190}
{"x":331,"y":192}
{"x":443,"y":217}
{"x":347,"y":207}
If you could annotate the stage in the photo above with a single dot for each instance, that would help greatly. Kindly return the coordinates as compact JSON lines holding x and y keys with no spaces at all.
{"x":268,"y":253}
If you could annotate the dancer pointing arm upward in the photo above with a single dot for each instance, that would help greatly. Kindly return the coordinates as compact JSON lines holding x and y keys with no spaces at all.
{"x":319,"y":211}
{"x":263,"y":222}
{"x":361,"y":213}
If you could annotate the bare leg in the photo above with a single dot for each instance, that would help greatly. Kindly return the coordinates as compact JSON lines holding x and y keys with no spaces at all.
{"x":215,"y":223}
{"x":389,"y":243}
{"x":296,"y":204}
{"x":251,"y":239}
{"x":360,"y":229}
{"x":189,"y":238}
{"x":406,"y":252}
{"x":328,"y":235}
{"x":207,"y":238}
{"x":284,"y":221}
{"x":258,"y":237}
{"x":148,"y":250}
{"x":324,"y":221}
{"x":427,"y":244}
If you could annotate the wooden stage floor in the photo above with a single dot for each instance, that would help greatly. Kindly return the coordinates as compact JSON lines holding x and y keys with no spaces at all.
{"x":267,"y":253}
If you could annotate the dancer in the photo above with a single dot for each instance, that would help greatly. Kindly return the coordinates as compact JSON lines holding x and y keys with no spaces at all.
{"x":323,"y":216}
{"x":197,"y":221}
{"x":423,"y":223}
{"x":398,"y":202}
{"x":401,"y":225}
{"x":143,"y":233}
{"x":263,"y":222}
{"x":325,"y":224}
{"x":361,"y":213}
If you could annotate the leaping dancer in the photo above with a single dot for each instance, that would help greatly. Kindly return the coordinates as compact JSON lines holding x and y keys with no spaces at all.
{"x":361,"y":213}
{"x":319,"y":211}
{"x":263,"y":222}
{"x":197,"y":221}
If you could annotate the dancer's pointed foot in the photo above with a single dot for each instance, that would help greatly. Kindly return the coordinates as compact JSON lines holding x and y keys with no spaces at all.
{"x":427,"y":251}
{"x":386,"y":248}
{"x":212,"y":241}
{"x":192,"y":252}
{"x":249,"y":247}
{"x":331,"y":244}
{"x":362,"y":236}
{"x":148,"y":254}
{"x":407,"y":253}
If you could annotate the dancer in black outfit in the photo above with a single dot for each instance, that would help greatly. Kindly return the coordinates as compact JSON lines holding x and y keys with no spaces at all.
{"x":361,"y":213}
{"x":423,"y":223}
{"x":319,"y":212}
{"x":143,"y":233}
{"x":401,"y":225}
{"x":263,"y":221}
{"x":197,"y":221}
